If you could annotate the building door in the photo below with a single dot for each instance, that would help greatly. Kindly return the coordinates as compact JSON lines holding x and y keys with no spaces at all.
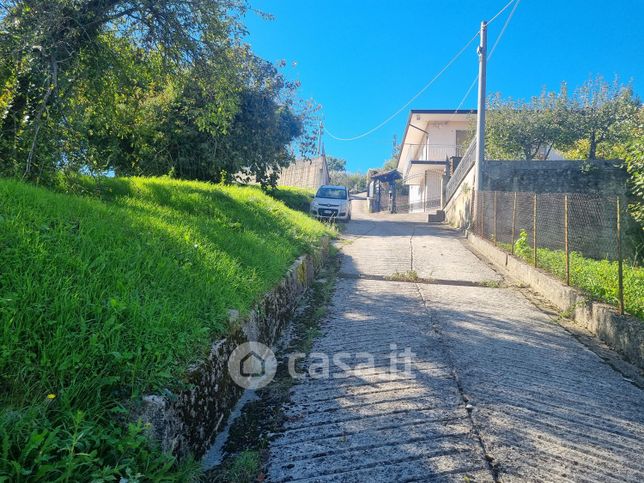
{"x":433,"y":180}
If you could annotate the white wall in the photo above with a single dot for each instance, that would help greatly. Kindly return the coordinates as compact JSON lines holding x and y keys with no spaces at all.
{"x":459,"y":208}
{"x":415,"y":195}
{"x":437,"y":146}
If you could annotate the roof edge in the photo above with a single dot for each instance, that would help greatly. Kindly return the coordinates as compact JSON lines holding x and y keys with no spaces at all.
{"x":431,"y":111}
{"x":443,"y":111}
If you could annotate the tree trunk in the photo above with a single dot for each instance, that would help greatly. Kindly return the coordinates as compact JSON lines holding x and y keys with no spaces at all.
{"x":592,"y":149}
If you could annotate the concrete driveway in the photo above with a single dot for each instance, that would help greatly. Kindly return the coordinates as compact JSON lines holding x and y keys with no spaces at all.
{"x":496,"y":391}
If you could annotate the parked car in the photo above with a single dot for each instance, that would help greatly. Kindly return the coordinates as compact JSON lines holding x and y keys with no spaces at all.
{"x":332,"y":202}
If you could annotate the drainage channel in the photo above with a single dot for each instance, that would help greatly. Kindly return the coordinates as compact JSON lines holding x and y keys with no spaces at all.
{"x":259,"y":414}
{"x":426,"y":281}
{"x":216,"y":453}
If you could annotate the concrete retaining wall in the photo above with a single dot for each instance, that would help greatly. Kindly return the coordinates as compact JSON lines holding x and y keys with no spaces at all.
{"x":458,"y":210}
{"x":589,"y":177}
{"x":187,"y":422}
{"x":624,"y":334}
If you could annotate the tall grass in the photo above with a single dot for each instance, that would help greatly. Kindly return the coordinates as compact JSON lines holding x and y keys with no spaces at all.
{"x":597,"y":278}
{"x":110,"y":293}
{"x":295,"y":198}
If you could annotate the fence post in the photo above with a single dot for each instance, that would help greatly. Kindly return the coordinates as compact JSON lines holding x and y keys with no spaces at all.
{"x":495,"y":240}
{"x":566,"y":245}
{"x":534,"y":229}
{"x":620,"y":267}
{"x":514,"y":221}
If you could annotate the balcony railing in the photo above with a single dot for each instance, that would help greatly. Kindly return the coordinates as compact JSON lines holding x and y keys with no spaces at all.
{"x":467,"y":162}
{"x":433,"y":152}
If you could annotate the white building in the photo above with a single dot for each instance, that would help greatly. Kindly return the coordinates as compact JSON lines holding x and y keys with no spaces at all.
{"x":434,"y":139}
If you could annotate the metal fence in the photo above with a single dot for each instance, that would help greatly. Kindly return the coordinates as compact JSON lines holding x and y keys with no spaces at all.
{"x":466,"y":163}
{"x":580,"y":238}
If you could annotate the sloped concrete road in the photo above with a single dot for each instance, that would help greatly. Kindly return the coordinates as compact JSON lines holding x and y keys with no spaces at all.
{"x":497,"y":391}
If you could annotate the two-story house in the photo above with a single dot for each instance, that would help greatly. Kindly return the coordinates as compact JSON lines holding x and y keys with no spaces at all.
{"x":434,"y":139}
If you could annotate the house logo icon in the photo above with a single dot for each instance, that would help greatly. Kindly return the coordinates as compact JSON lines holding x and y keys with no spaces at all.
{"x":249,"y":365}
{"x":252,"y":365}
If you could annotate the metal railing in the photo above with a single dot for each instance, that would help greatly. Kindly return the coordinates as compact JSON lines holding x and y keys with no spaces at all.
{"x":466,"y":163}
{"x":433,"y":152}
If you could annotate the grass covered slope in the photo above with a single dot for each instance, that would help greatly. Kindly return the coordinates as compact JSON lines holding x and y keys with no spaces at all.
{"x":107,"y":296}
{"x":295,"y":198}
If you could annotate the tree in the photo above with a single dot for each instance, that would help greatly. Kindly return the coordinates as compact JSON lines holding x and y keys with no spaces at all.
{"x":43,"y":42}
{"x":354,"y":181}
{"x":634,"y":164}
{"x":392,"y":162}
{"x":516,"y":129}
{"x":146,"y":88}
{"x":336,"y":164}
{"x":602,"y":113}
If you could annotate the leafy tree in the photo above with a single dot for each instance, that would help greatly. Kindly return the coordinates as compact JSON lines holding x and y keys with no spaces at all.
{"x":142,"y":88}
{"x":353,"y":181}
{"x":634,"y":164}
{"x":516,"y":129}
{"x":392,"y":163}
{"x":603,"y":114}
{"x":336,"y":164}
{"x":43,"y":41}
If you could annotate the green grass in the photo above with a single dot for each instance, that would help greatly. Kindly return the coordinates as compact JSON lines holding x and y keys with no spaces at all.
{"x":295,"y":198}
{"x":597,"y":278}
{"x":245,"y":468}
{"x":408,"y":276}
{"x":110,"y":293}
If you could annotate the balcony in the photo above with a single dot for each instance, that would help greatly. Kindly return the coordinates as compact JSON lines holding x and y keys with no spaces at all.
{"x":418,"y":158}
{"x":433,"y":152}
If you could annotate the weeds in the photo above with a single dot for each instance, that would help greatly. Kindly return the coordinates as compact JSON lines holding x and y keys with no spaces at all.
{"x":408,"y":276}
{"x":244,"y":468}
{"x":491,"y":284}
{"x":250,"y":432}
{"x":597,"y":278}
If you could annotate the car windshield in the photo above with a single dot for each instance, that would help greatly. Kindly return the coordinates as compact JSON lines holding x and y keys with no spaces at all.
{"x":332,"y":193}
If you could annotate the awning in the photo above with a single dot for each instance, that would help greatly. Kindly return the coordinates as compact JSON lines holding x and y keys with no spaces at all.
{"x":388,"y":176}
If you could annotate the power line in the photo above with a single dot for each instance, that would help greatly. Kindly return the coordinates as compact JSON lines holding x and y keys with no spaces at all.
{"x":452,"y":60}
{"x":505,"y":26}
{"x":496,"y":43}
{"x":466,"y":95}
{"x":501,"y":11}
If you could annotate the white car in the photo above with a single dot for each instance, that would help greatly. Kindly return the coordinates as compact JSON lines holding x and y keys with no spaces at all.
{"x":332,"y":202}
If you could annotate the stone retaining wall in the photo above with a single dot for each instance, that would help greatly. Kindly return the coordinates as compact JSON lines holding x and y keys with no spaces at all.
{"x":564,"y":176}
{"x":187,"y":422}
{"x":624,"y":334}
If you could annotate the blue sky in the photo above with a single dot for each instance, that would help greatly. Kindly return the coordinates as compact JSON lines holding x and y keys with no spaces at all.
{"x":362,"y":60}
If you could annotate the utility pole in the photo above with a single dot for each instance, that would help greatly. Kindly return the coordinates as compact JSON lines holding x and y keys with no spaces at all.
{"x":480,"y":118}
{"x":320,"y":139}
